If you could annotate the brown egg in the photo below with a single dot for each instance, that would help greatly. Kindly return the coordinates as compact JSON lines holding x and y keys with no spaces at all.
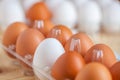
{"x":79,"y":42}
{"x":94,"y":71}
{"x":43,"y":26}
{"x":67,"y":66}
{"x":12,"y":32}
{"x":38,"y":11}
{"x":100,"y":53}
{"x":115,"y":70}
{"x":27,"y":42}
{"x":60,"y":32}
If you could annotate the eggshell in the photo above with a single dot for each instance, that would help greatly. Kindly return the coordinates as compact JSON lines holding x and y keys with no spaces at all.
{"x":28,"y":41}
{"x":46,"y":54}
{"x":78,"y":3}
{"x":52,"y":4}
{"x":80,"y":43}
{"x":60,"y":32}
{"x":43,"y":26}
{"x":65,"y":14}
{"x":12,"y":32}
{"x":12,"y":12}
{"x":104,"y":3}
{"x":111,"y":18}
{"x":28,"y":3}
{"x":38,"y":11}
{"x":101,"y":53}
{"x":115,"y":71}
{"x":90,"y":17}
{"x":67,"y":66}
{"x":11,"y":35}
{"x":94,"y":71}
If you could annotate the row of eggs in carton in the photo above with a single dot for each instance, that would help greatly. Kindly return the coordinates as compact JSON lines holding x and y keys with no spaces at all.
{"x":88,"y":15}
{"x":59,"y":54}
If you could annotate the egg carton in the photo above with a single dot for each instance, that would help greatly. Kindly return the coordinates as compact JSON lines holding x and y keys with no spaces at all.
{"x":44,"y":73}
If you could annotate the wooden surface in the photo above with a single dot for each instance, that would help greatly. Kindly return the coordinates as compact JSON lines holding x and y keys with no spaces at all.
{"x":10,"y":71}
{"x":112,"y":40}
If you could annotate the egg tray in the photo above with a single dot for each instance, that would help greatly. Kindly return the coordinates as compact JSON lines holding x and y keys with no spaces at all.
{"x":44,"y":73}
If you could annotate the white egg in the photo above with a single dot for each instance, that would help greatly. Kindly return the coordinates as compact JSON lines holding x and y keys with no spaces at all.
{"x":12,"y":12}
{"x":103,"y":3}
{"x":46,"y":54}
{"x":65,"y":14}
{"x":53,"y":3}
{"x":79,"y":2}
{"x":111,"y":18}
{"x":28,"y":3}
{"x":90,"y":17}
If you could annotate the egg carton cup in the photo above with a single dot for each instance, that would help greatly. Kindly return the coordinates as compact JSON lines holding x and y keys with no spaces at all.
{"x":44,"y":73}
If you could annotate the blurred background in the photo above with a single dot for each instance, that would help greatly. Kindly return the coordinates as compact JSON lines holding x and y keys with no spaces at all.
{"x":100,"y":19}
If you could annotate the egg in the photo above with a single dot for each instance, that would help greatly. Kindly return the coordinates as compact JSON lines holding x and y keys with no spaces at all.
{"x":60,"y":32}
{"x":111,"y":18}
{"x":46,"y":54}
{"x":115,"y":71}
{"x":65,"y":14}
{"x":11,"y":35}
{"x":28,"y":3}
{"x":94,"y":71}
{"x":12,"y":32}
{"x":27,"y":42}
{"x":78,"y":3}
{"x":38,"y":11}
{"x":90,"y":16}
{"x":52,"y":4}
{"x":43,"y":26}
{"x":80,"y":43}
{"x":12,"y":12}
{"x":101,"y":53}
{"x":67,"y":66}
{"x":103,"y":3}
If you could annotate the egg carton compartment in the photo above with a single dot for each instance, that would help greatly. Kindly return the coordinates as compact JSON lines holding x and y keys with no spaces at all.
{"x":28,"y":67}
